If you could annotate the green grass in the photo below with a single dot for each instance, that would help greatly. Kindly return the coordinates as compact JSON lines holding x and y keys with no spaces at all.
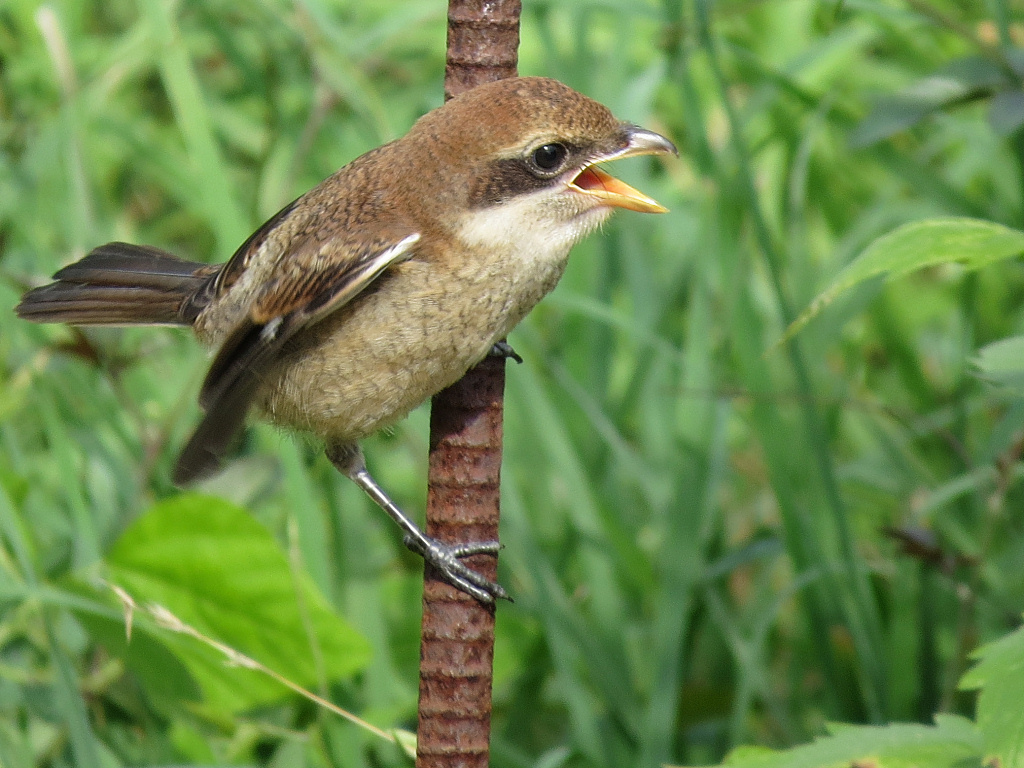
{"x":694,"y":520}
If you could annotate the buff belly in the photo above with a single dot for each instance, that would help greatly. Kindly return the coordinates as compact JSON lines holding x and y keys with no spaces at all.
{"x":407,"y":337}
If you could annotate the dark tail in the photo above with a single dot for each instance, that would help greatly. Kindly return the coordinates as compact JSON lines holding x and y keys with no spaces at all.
{"x":122,"y":284}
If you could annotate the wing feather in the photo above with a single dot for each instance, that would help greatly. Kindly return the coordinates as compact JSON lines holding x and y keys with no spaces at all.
{"x":306,"y":288}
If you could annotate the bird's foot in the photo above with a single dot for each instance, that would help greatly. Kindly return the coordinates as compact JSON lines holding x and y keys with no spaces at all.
{"x":504,"y":349}
{"x":445,"y":558}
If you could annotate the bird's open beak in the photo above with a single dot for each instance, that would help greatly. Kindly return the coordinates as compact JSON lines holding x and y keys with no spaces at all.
{"x":612,"y":192}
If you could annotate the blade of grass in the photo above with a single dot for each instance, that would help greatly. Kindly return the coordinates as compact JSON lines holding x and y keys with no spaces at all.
{"x":215,"y":199}
{"x":532,"y":402}
{"x":863,"y":619}
{"x":69,"y":702}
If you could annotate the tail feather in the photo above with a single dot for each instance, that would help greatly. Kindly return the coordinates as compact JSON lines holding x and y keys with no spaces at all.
{"x":122,"y":284}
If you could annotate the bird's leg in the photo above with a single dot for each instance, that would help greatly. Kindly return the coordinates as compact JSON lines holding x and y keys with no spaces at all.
{"x":504,"y":349}
{"x":348,"y":458}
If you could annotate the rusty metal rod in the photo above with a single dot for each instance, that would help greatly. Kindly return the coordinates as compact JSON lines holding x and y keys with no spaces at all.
{"x":457,"y":639}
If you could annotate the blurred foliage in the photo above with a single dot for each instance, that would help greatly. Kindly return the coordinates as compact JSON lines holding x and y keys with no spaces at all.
{"x":710,"y":543}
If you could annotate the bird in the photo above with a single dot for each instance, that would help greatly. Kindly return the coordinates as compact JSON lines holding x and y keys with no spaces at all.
{"x":382,"y":285}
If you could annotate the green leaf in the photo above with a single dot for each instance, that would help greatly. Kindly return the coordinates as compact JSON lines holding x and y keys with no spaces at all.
{"x":1007,"y":112}
{"x":959,"y":81}
{"x":950,"y":743}
{"x":406,"y":740}
{"x":221,"y":572}
{"x":999,"y":676}
{"x":1002,"y":362}
{"x":157,"y":668}
{"x":970,"y":242}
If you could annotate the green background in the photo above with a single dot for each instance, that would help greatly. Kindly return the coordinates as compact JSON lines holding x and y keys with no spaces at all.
{"x":712,"y":540}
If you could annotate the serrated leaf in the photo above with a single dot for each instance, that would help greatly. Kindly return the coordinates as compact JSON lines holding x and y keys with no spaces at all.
{"x":947,"y":744}
{"x":1002,"y":362}
{"x":999,"y":678}
{"x":406,"y":740}
{"x":971,"y":243}
{"x":221,"y":572}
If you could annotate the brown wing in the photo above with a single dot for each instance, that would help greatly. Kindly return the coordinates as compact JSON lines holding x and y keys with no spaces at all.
{"x":238,"y":263}
{"x":306,"y":287}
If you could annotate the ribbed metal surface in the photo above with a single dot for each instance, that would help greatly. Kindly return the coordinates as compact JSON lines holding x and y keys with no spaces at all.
{"x":457,"y":642}
{"x":483,"y":43}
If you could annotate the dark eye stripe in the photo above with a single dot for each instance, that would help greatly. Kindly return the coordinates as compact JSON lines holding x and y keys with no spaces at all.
{"x":506,"y":178}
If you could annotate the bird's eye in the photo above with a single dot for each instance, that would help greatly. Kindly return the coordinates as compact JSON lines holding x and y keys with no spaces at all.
{"x":549,"y":157}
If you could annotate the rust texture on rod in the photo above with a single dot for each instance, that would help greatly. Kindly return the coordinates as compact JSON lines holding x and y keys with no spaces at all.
{"x":457,"y":639}
{"x":483,"y":43}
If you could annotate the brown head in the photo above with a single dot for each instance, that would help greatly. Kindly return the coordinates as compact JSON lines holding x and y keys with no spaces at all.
{"x":520,"y":139}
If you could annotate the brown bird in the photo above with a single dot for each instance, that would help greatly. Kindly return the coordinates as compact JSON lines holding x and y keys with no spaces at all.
{"x":384,"y":284}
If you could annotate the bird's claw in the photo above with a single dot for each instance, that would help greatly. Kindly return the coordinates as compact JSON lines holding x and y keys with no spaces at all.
{"x":504,"y":349}
{"x":445,"y":560}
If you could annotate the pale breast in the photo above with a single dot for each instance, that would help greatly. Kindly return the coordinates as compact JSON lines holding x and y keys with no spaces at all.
{"x":411,"y":334}
{"x":421,"y":325}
